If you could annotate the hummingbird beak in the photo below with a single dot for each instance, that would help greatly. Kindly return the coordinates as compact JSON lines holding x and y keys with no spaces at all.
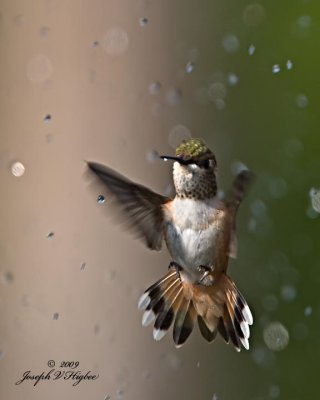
{"x":178,"y":159}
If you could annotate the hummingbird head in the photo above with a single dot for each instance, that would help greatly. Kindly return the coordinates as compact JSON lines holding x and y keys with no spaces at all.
{"x":194,"y":170}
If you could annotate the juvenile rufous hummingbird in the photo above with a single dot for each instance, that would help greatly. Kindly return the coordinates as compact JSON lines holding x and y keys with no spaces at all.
{"x":199,"y":230}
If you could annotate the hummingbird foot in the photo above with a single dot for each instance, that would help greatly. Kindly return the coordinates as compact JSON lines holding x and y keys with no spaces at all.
{"x":176,"y":266}
{"x":205,"y":279}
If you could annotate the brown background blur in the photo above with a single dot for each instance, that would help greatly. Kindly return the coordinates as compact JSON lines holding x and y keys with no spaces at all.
{"x":98,"y":96}
{"x":94,"y":80}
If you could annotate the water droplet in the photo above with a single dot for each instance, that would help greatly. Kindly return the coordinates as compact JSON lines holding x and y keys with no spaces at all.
{"x":289,"y":65}
{"x":270,"y":302}
{"x":275,"y":68}
{"x":111,"y":275}
{"x":231,"y":43}
{"x":25,"y":300}
{"x":308,"y":311}
{"x":217,"y":90}
{"x":189,"y":67}
{"x":233,"y":79}
{"x":312,"y":213}
{"x":107,"y":397}
{"x":274,"y":391}
{"x":47,"y":118}
{"x":17,"y":169}
{"x":116,"y":41}
{"x":288,"y":292}
{"x":120,"y":394}
{"x":251,"y":49}
{"x":215,"y":397}
{"x":173,"y":360}
{"x":315,"y":199}
{"x":258,"y":208}
{"x":83,"y":265}
{"x":49,"y":138}
{"x":154,"y":88}
{"x":276,"y":336}
{"x":254,"y":14}
{"x":44,"y":31}
{"x":39,"y":69}
{"x":56,"y":316}
{"x":177,"y":134}
{"x":152,"y":156}
{"x":50,"y":235}
{"x":157,"y":109}
{"x":8,"y":277}
{"x":302,"y":100}
{"x":260,"y":355}
{"x":174,"y":96}
{"x":278,"y":188}
{"x":198,"y":364}
{"x":101,"y":199}
{"x":220,"y":104}
{"x":252,"y":225}
{"x":97,"y":329}
{"x":143,"y":22}
{"x":304,"y":21}
{"x":19,"y":19}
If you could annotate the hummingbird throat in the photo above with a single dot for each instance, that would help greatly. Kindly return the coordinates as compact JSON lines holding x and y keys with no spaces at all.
{"x":197,"y":185}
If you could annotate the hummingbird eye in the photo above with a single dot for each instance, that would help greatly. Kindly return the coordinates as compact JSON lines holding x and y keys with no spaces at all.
{"x":206,"y":164}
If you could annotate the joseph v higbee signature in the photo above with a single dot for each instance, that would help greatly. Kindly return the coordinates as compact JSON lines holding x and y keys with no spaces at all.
{"x":67,"y":371}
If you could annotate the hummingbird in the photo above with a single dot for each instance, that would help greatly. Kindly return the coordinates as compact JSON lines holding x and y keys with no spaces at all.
{"x":199,"y":229}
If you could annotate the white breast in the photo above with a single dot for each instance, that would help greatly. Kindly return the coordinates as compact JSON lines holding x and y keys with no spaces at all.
{"x":191,"y":232}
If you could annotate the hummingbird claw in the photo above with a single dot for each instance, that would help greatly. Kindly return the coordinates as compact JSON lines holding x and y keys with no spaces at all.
{"x":206,"y":279}
{"x":176,"y":266}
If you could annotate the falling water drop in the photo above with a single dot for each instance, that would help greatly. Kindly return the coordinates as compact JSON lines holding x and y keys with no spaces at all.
{"x":101,"y":199}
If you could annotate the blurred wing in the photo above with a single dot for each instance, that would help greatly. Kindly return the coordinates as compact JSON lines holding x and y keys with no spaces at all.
{"x":239,"y":189}
{"x":233,"y":200}
{"x":141,"y":207}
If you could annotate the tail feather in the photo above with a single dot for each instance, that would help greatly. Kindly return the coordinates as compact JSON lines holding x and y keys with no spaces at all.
{"x":205,"y":331}
{"x":229,"y":324}
{"x":151,"y":292}
{"x":166,"y":316}
{"x":223,"y":331}
{"x":153,"y":299}
{"x":173,"y":300}
{"x":184,"y":322}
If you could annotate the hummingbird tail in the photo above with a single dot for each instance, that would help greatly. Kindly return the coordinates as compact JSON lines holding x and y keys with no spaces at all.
{"x":220,"y":307}
{"x":166,"y":303}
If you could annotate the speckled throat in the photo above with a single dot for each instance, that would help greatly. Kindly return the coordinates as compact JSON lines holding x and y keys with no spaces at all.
{"x":202,"y":187}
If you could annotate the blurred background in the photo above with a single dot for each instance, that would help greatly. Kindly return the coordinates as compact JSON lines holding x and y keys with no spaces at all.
{"x":116,"y":82}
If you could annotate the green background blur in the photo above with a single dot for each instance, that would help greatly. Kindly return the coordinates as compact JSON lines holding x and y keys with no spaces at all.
{"x":271,"y":120}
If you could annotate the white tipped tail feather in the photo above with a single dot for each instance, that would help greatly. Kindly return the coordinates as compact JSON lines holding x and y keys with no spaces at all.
{"x":218,"y":308}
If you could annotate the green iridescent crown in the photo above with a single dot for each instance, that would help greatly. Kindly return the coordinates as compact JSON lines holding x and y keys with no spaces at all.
{"x":193,"y":149}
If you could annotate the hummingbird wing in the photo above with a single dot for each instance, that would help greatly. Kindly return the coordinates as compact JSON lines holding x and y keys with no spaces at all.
{"x":239,"y":189}
{"x":233,"y":200}
{"x":141,"y":206}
